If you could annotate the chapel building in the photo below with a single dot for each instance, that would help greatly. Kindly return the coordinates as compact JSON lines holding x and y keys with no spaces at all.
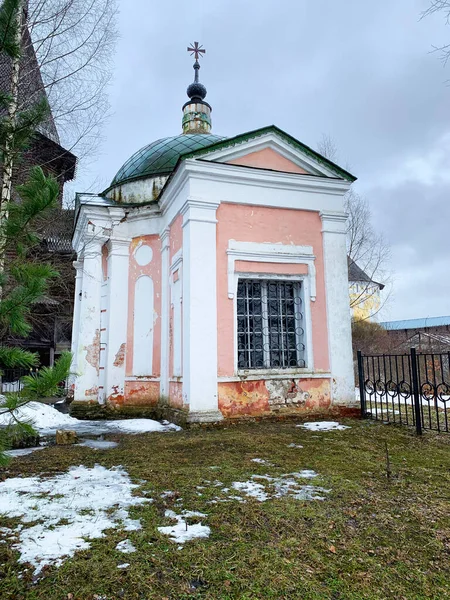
{"x":212,"y":280}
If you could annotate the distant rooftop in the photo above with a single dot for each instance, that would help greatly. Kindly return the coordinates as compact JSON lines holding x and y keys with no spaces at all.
{"x":356,"y":274}
{"x":417,"y":323}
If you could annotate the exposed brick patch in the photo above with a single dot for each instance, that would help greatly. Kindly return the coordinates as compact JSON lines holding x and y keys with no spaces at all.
{"x":120,"y":356}
{"x":93,"y":351}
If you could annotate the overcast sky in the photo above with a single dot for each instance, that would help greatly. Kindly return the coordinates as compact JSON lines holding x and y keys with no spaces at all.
{"x":361,"y":72}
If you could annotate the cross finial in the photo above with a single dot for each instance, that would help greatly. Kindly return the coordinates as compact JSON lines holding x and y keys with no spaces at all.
{"x":196,"y":50}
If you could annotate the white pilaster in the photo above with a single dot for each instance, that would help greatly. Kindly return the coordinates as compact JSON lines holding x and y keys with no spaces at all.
{"x":200,"y":310}
{"x":88,"y":340}
{"x":338,"y":307}
{"x":116,"y":317}
{"x":78,"y":265}
{"x":165,"y":246}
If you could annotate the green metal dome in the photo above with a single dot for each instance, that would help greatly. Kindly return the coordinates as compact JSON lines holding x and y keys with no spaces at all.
{"x":160,"y":157}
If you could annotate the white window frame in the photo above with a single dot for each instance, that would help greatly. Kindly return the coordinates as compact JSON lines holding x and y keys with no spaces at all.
{"x":308,"y":342}
{"x":274,"y":253}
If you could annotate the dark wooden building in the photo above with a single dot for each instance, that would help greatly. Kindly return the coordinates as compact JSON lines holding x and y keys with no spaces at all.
{"x":51,"y":318}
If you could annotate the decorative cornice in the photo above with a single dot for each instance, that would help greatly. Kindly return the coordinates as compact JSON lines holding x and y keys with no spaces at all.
{"x":118,"y":246}
{"x":164,"y":236}
{"x":273,"y":253}
{"x":250,"y":135}
{"x":334,"y":222}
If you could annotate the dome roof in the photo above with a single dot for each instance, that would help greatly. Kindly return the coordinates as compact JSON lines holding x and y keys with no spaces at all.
{"x":160,"y":157}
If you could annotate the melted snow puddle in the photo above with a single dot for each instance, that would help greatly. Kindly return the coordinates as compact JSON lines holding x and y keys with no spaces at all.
{"x":66,"y":511}
{"x":183,"y":532}
{"x":323,"y":426}
{"x":22,"y":451}
{"x":98,"y":444}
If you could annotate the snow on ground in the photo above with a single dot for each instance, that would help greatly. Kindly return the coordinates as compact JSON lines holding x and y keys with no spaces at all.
{"x":278,"y":487}
{"x":60,"y":514}
{"x":251,"y":489}
{"x":126,"y":547}
{"x":141,"y":426}
{"x":42,"y":415}
{"x":98,"y":444}
{"x":323,"y":426}
{"x":294,"y":446}
{"x":183,"y":532}
{"x":123,"y":566}
{"x":46,"y":420}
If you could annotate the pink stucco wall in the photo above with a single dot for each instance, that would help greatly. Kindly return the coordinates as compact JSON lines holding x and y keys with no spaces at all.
{"x":267,"y":159}
{"x":153,"y":270}
{"x":274,"y":225}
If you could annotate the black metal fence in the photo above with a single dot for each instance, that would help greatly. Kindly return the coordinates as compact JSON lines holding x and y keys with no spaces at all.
{"x":408,"y":389}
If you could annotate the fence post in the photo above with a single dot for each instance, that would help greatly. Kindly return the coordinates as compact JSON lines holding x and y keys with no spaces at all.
{"x":362,"y":393}
{"x":416,"y":394}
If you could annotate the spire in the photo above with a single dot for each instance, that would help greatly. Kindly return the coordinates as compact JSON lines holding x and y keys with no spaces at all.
{"x":196,"y":112}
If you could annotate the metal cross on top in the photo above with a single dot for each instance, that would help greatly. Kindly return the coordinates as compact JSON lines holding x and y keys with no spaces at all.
{"x":196,"y":50}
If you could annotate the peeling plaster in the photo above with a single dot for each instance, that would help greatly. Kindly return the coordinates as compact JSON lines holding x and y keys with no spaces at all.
{"x":93,"y":351}
{"x":261,"y":397}
{"x":143,"y":393}
{"x":120,"y":356}
{"x":93,"y":391}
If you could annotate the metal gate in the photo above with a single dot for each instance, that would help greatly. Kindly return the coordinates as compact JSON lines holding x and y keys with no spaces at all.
{"x":409,"y":389}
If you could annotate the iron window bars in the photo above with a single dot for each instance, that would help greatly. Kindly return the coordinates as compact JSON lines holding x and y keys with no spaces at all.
{"x":269,"y":324}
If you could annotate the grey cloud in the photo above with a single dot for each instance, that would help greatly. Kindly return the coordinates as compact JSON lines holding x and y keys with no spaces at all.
{"x":360,"y":72}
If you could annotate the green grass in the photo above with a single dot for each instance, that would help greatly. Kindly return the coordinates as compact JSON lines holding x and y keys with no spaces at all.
{"x":372,"y":538}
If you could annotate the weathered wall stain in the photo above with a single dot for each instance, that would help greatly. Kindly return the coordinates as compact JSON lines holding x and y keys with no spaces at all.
{"x":176,"y":394}
{"x":143,"y":393}
{"x":239,"y":398}
{"x":120,"y":356}
{"x":93,"y":351}
{"x":259,"y":398}
{"x":91,"y":392}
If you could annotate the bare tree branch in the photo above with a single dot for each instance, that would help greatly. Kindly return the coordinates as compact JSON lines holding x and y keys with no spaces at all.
{"x":365,"y":247}
{"x":73,"y":42}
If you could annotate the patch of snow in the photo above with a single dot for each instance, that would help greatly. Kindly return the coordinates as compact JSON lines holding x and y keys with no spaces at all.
{"x":262,"y":461}
{"x":47,"y":420}
{"x":41,"y":415}
{"x":304,"y":473}
{"x":126,"y":547}
{"x":323,"y":426}
{"x":91,"y":500}
{"x":22,"y":451}
{"x":294,"y":446}
{"x":98,"y":444}
{"x":278,"y":487}
{"x":123,"y":566}
{"x":309,"y":492}
{"x":141,"y":426}
{"x":182,"y":532}
{"x":252,"y":489}
{"x":167,"y":494}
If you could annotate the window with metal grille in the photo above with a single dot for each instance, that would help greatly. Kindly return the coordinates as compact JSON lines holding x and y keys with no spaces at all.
{"x":270,"y":324}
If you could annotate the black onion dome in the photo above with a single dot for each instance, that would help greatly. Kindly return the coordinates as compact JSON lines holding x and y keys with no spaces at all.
{"x":196,"y":90}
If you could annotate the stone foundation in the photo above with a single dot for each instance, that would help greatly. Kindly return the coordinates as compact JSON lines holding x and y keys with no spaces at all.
{"x":95,"y":411}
